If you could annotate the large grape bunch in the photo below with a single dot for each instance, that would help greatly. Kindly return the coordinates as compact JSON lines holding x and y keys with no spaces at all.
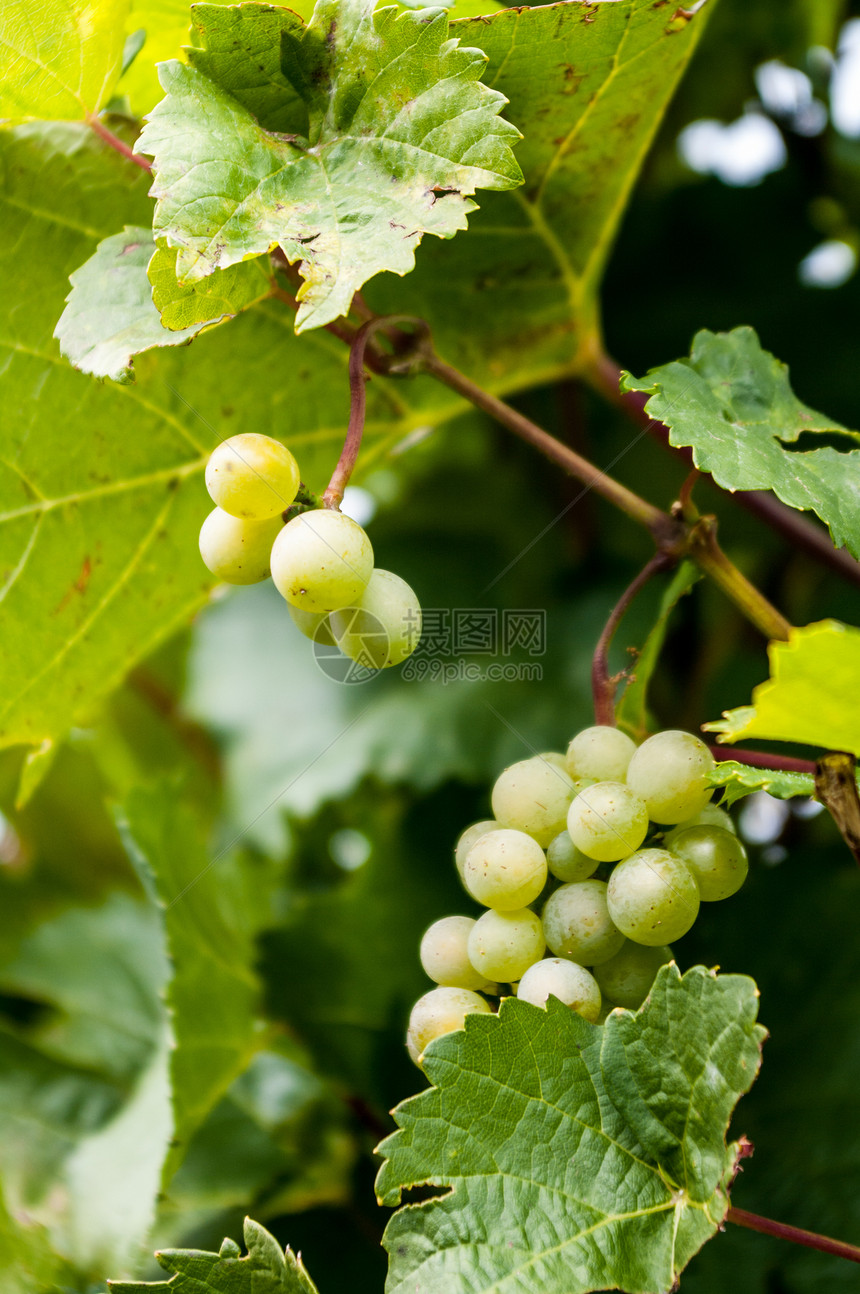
{"x":320,"y":560}
{"x":600,"y":858}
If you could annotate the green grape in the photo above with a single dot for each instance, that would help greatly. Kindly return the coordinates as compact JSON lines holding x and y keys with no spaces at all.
{"x":627,"y":977}
{"x":670,"y":772}
{"x":321,"y":561}
{"x":711,"y":816}
{"x":252,"y":476}
{"x":716,"y":858}
{"x":607,"y":821}
{"x":384,"y":625}
{"x":566,"y":862}
{"x":468,"y":838}
{"x":577,"y":923}
{"x":440,"y":1011}
{"x":238,"y":552}
{"x":313,"y":624}
{"x":653,"y":897}
{"x":445,"y":956}
{"x":554,"y":757}
{"x":571,"y":984}
{"x":505,"y":869}
{"x":533,"y":796}
{"x":601,"y":752}
{"x":503,"y":945}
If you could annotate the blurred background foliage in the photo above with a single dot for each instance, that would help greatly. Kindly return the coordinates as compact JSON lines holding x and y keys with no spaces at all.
{"x":323,"y":817}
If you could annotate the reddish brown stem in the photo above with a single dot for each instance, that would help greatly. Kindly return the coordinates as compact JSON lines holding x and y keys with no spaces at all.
{"x":358,"y":402}
{"x":603,"y":685}
{"x":605,"y":375}
{"x":811,"y":1239}
{"x":763,"y":759}
{"x":663,"y":527}
{"x":119,"y":145}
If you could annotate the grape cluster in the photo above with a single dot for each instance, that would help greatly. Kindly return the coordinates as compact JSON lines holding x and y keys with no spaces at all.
{"x":600,"y":856}
{"x":320,"y":561}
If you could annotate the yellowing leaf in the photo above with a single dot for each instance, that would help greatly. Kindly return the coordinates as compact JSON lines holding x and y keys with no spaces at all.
{"x":812,"y":695}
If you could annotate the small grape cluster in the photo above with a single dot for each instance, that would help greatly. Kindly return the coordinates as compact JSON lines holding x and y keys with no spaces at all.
{"x":641,"y":815}
{"x":320,"y":561}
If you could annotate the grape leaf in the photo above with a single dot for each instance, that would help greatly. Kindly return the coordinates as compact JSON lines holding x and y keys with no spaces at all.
{"x":59,"y":60}
{"x":400,"y":132}
{"x":579,"y":1157}
{"x":811,"y":695}
{"x":166,"y":25}
{"x":732,"y":404}
{"x":265,"y":1269}
{"x":109,"y":317}
{"x":588,"y":86}
{"x":740,"y":780}
{"x":213,"y":909}
{"x":126,"y":299}
{"x":222,"y":295}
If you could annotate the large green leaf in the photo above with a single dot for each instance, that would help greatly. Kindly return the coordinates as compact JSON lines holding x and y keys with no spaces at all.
{"x":588,"y":88}
{"x":732,"y":404}
{"x":579,"y":1157}
{"x":59,"y":59}
{"x":166,"y":25}
{"x":396,"y":133}
{"x":213,"y":909}
{"x":811,"y":695}
{"x":265,"y":1269}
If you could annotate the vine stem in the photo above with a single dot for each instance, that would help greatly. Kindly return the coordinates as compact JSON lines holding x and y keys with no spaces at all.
{"x":603,"y":685}
{"x":763,"y":759}
{"x":119,"y":145}
{"x":782,"y":1230}
{"x":709,"y":557}
{"x":604,"y":376}
{"x":358,"y":402}
{"x":663,"y":527}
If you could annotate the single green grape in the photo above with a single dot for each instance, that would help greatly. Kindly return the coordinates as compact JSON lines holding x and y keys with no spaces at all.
{"x":468,"y":838}
{"x":238,"y":552}
{"x":716,"y":858}
{"x":571,"y":984}
{"x":577,"y":923}
{"x":607,"y":821}
{"x":600,"y":752}
{"x":711,"y":816}
{"x":313,"y":624}
{"x":503,"y":945}
{"x":670,"y":772}
{"x":441,"y":1011}
{"x":322,"y":561}
{"x":384,"y":625}
{"x":533,"y":796}
{"x":653,"y":897}
{"x":627,"y":977}
{"x":566,"y":862}
{"x":445,"y":954}
{"x":554,"y":757}
{"x":252,"y":476}
{"x":505,"y":869}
